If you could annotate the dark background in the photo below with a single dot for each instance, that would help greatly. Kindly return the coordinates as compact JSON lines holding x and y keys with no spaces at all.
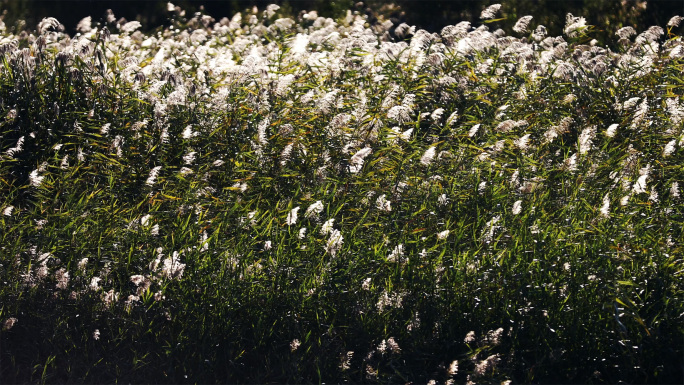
{"x":433,"y":15}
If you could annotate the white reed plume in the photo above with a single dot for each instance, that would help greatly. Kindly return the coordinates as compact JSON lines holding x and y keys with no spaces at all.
{"x":327,"y":226}
{"x":334,"y":243}
{"x":152,"y":178}
{"x":173,"y":268}
{"x":490,"y":12}
{"x":605,"y":208}
{"x":292,"y":216}
{"x":585,"y":139}
{"x":35,"y":179}
{"x":356,"y":162}
{"x":573,"y":25}
{"x":522,"y":24}
{"x":397,"y":254}
{"x":383,"y":204}
{"x":315,"y":209}
{"x":428,"y":156}
{"x":669,"y":148}
{"x":675,"y":21}
{"x":517,"y":207}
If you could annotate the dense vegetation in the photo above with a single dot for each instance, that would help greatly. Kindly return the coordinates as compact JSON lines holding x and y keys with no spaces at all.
{"x":266,"y":199}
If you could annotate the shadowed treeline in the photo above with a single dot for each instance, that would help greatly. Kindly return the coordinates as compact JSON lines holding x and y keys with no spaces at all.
{"x":433,"y":15}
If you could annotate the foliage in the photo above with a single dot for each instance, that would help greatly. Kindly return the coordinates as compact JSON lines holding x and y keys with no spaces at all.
{"x":267,"y":199}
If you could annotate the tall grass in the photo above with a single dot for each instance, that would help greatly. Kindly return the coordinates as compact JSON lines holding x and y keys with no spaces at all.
{"x":273,"y":200}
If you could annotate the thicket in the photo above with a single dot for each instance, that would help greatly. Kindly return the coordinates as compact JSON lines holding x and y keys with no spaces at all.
{"x":266,"y":199}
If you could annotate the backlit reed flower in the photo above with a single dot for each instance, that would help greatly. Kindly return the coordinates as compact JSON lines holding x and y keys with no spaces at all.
{"x":302,"y":233}
{"x":675,"y":21}
{"x":64,"y":164}
{"x":490,"y":12}
{"x":356,"y":162}
{"x":334,"y":243}
{"x":189,"y":158}
{"x":383,"y":204}
{"x":570,"y":163}
{"x":625,"y":200}
{"x":173,"y":268}
{"x":539,"y":33}
{"x":292,"y":216}
{"x":517,"y":207}
{"x":669,"y":148}
{"x":109,"y":298}
{"x":640,"y":185}
{"x":640,"y":113}
{"x":653,"y":197}
{"x":428,"y":156}
{"x":487,"y":365}
{"x":386,"y":300}
{"x":522,"y":24}
{"x":35,"y":179}
{"x":522,"y":142}
{"x":392,"y":345}
{"x":399,"y":113}
{"x":95,"y":283}
{"x":137,"y":279}
{"x":452,"y":370}
{"x":130,"y":300}
{"x":494,"y":336}
{"x":62,"y":277}
{"x":131,"y":26}
{"x":46,"y":24}
{"x":452,"y":119}
{"x":82,"y":264}
{"x":7,"y":211}
{"x":366,"y":284}
{"x":470,"y":337}
{"x":585,"y":139}
{"x":315,"y":209}
{"x":443,"y":235}
{"x":152,"y":178}
{"x":674,"y":189}
{"x":188,"y":132}
{"x":285,"y":154}
{"x":397,"y":254}
{"x":328,"y":102}
{"x":605,"y":208}
{"x":437,"y":115}
{"x":294,"y":345}
{"x":345,"y":363}
{"x":473,"y":130}
{"x":96,"y":334}
{"x":625,"y":32}
{"x":510,"y":124}
{"x":85,"y":25}
{"x":9,"y":323}
{"x":327,"y":226}
{"x":573,"y":25}
{"x":261,"y":132}
{"x":442,"y":200}
{"x":17,"y":148}
{"x":612,"y":130}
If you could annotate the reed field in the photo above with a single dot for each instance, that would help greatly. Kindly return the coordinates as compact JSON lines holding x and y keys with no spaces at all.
{"x":272,"y":199}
